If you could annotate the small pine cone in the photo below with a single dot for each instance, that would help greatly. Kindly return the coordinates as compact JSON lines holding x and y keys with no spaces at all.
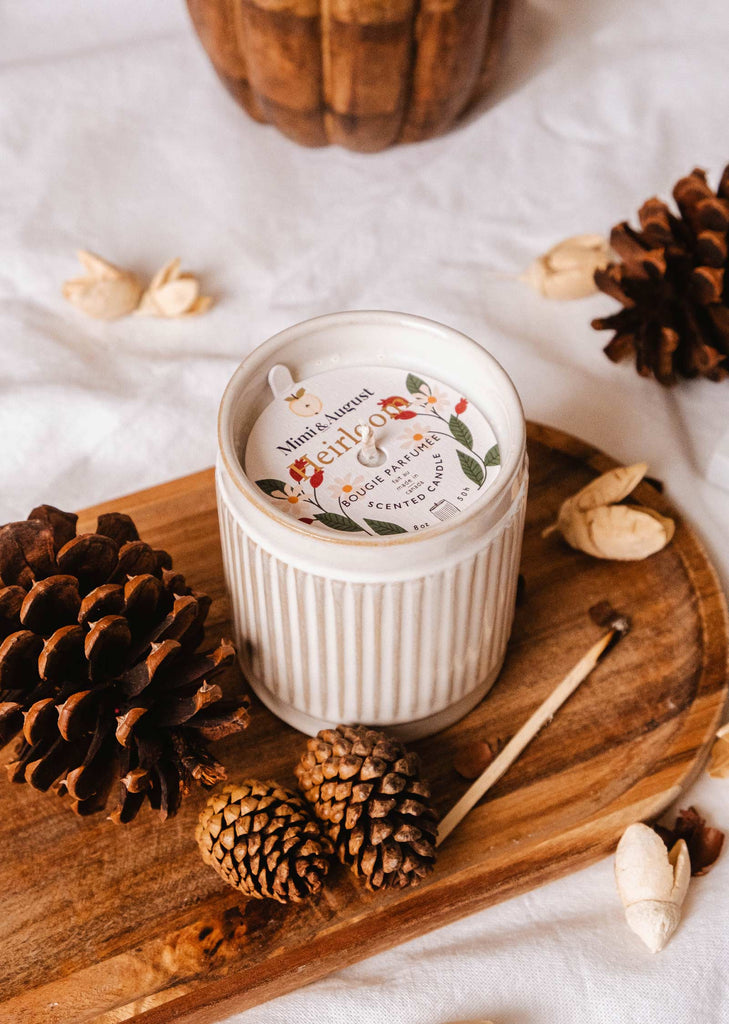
{"x":673,"y":285}
{"x":367,"y":789}
{"x":99,"y":668}
{"x":262,"y":840}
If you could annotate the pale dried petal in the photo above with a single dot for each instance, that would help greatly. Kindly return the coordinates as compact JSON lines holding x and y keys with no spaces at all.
{"x":567,"y":271}
{"x":719,"y":764}
{"x":201,"y":305}
{"x":610,"y":487}
{"x":107,"y":292}
{"x":575,"y":250}
{"x":666,"y":522}
{"x":652,"y":883}
{"x":98,"y":267}
{"x":104,"y":299}
{"x":175,"y":298}
{"x":653,"y":922}
{"x":147,"y":305}
{"x":169,"y":272}
{"x":619,"y":532}
{"x":174,"y":294}
{"x":565,"y":285}
{"x":591,"y":522}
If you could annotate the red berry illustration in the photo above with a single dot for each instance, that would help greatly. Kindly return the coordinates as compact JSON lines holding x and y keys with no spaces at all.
{"x":398,"y":404}
{"x":316,"y":478}
{"x":298,"y":471}
{"x":461,"y":406}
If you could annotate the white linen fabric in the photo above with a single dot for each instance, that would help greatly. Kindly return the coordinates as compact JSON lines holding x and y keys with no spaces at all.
{"x":116,"y":136}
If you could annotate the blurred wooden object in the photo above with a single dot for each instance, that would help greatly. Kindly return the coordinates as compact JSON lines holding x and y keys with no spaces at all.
{"x":364,"y":74}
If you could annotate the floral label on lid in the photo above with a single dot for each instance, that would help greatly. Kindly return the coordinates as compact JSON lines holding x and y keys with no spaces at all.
{"x":437,"y":451}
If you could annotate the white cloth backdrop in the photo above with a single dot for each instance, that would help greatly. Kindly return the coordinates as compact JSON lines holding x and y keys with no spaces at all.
{"x":116,"y":136}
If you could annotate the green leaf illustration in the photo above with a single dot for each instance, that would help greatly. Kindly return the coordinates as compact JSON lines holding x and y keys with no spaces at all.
{"x":471,"y":468}
{"x":337,"y":522}
{"x":414,"y":384}
{"x":269,"y":486}
{"x":461,"y":432}
{"x":493,"y":456}
{"x":384,"y":529}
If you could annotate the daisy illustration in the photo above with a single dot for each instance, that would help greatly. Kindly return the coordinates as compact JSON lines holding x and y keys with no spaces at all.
{"x":341,"y":486}
{"x":291,"y":494}
{"x":428,"y":397}
{"x":411,"y":437}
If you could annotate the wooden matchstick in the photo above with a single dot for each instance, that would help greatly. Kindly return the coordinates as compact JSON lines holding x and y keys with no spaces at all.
{"x":619,"y":627}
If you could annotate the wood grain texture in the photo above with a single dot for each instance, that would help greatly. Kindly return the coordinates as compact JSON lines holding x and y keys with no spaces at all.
{"x":366,"y":48}
{"x":219,"y":27}
{"x":364,"y":74}
{"x":108,"y":924}
{"x":451,"y":38}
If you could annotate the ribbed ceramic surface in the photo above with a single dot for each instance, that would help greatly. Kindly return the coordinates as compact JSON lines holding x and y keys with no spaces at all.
{"x":381,"y":653}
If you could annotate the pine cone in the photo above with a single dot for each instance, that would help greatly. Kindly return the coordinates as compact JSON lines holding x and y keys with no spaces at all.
{"x":672,"y":285}
{"x":262,"y":840}
{"x":99,"y":666}
{"x":367,"y":789}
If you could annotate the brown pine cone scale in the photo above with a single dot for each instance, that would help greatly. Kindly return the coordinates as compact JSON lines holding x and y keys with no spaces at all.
{"x":672,"y":284}
{"x":99,"y":669}
{"x":367,"y":791}
{"x":262,"y":840}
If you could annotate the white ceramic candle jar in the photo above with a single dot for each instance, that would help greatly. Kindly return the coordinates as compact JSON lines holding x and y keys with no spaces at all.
{"x":371,"y":484}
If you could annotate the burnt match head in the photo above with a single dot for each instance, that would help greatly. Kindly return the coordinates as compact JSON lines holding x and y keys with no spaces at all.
{"x":603,"y":614}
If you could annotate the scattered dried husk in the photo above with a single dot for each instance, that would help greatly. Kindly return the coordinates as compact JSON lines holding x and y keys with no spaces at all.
{"x":172,"y":293}
{"x":719,"y":763}
{"x":106,"y":292}
{"x":567,"y":271}
{"x":590,"y":521}
{"x":703,"y":841}
{"x":652,"y":882}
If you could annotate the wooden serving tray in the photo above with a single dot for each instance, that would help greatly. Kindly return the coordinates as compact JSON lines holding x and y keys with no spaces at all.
{"x":107,"y":924}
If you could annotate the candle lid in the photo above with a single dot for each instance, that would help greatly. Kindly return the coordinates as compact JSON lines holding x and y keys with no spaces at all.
{"x":435,"y":450}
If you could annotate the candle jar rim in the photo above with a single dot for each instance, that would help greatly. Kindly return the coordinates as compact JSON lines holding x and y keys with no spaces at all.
{"x":270,"y":352}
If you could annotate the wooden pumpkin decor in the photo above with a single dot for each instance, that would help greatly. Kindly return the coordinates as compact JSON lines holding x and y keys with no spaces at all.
{"x":364,"y":74}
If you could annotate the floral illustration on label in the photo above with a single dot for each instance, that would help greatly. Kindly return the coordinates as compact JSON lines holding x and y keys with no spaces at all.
{"x":429,"y":417}
{"x":339,"y":520}
{"x":475,"y":467}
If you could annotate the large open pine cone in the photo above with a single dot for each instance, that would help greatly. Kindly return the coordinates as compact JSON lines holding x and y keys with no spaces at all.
{"x":99,"y":666}
{"x":367,"y":790}
{"x":672,"y":285}
{"x":261,"y":839}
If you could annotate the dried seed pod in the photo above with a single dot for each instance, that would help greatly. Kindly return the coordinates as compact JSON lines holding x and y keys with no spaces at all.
{"x":590,"y":521}
{"x":704,"y":842}
{"x":106,"y":292}
{"x":652,"y":883}
{"x":610,"y":487}
{"x":172,"y":293}
{"x":567,"y":271}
